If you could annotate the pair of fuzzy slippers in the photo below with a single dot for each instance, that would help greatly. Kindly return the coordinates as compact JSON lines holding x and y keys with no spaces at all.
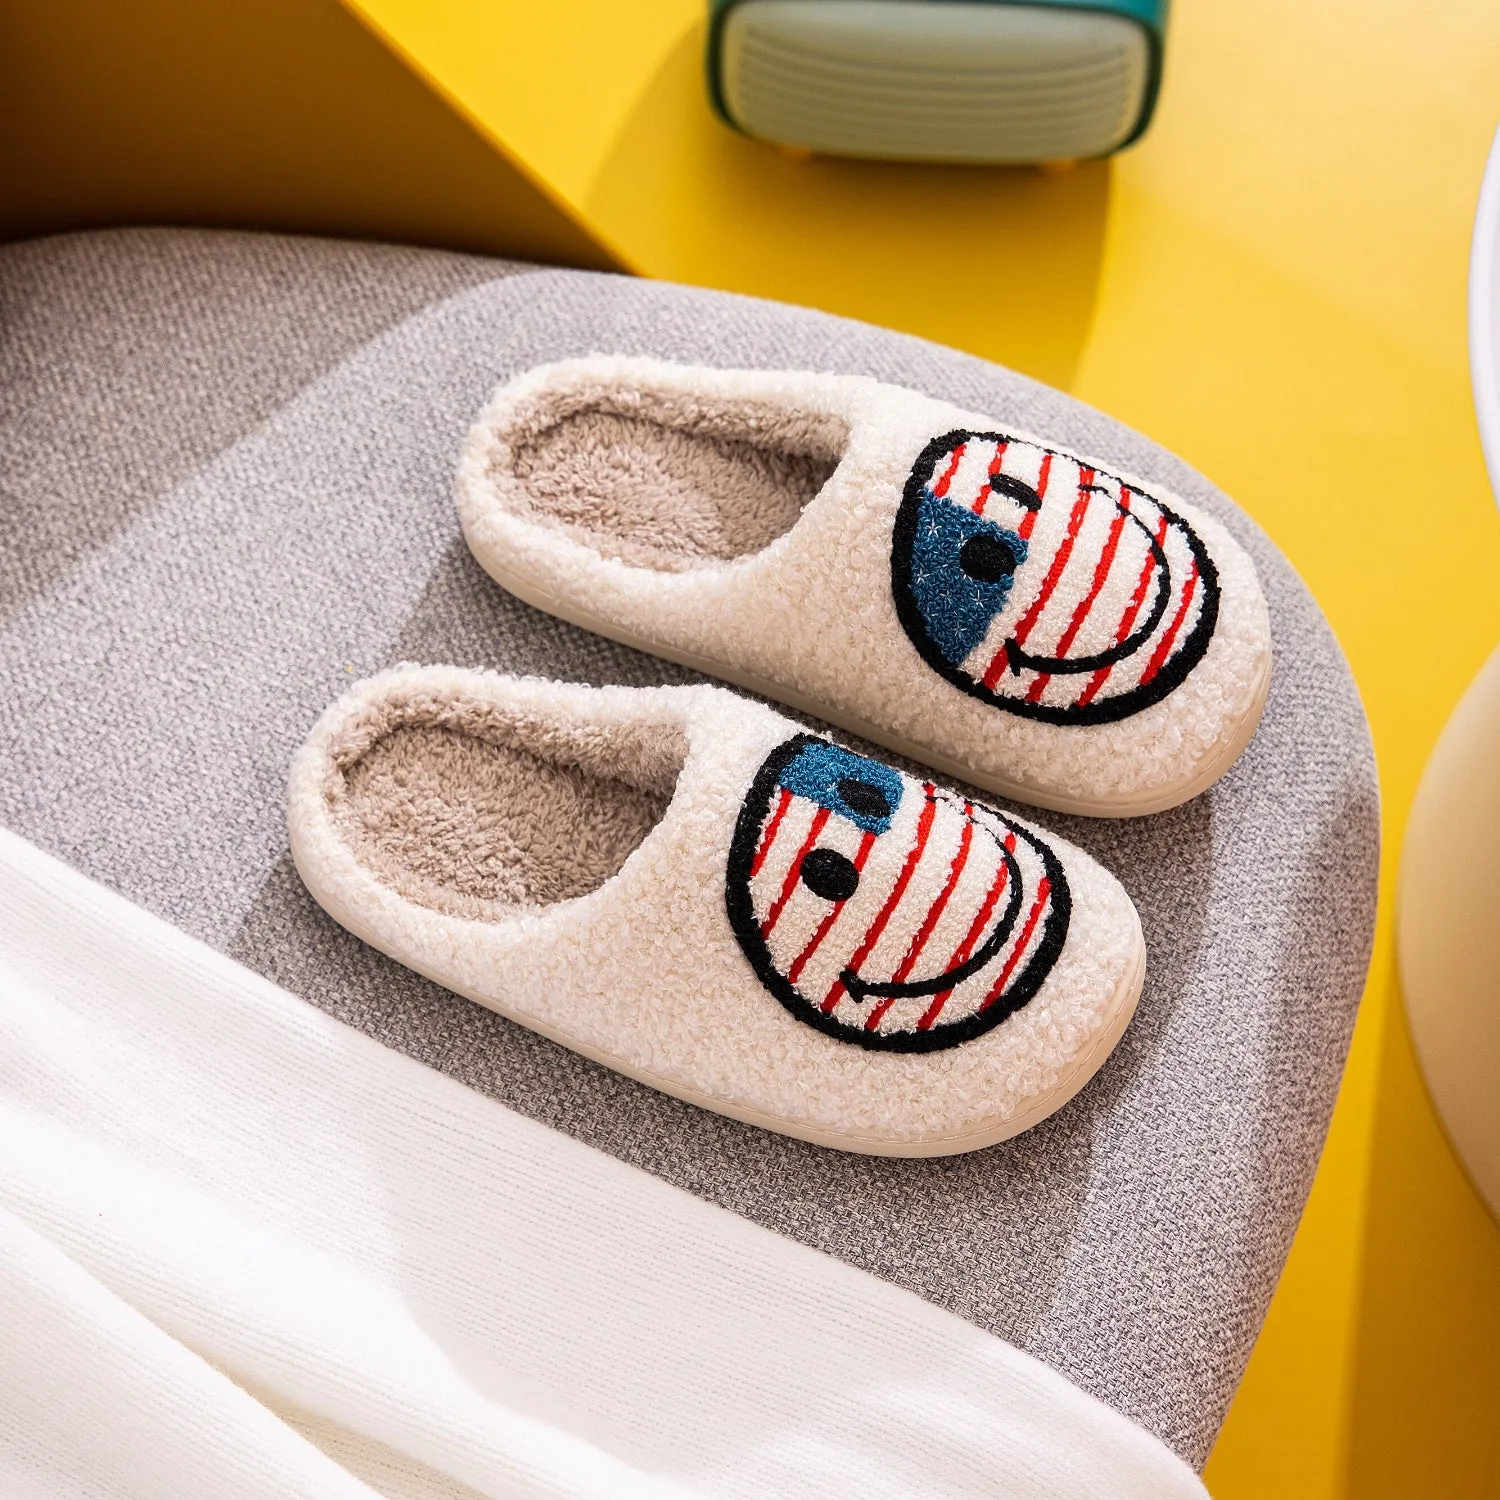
{"x":686,"y":886}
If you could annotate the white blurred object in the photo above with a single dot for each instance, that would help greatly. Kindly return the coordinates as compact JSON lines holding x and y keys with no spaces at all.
{"x":1448,"y":913}
{"x":247,"y":1251}
{"x":1484,"y":315}
{"x":1448,"y":929}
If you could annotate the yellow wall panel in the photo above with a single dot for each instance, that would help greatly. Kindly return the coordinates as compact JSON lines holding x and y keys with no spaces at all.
{"x":283,"y":114}
{"x":607,"y":103}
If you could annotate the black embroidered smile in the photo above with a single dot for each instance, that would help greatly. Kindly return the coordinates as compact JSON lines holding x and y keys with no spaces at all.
{"x":883,"y":912}
{"x":1105,"y":597}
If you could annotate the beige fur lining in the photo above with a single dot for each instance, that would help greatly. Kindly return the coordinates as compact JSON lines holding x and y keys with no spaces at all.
{"x":664,"y":479}
{"x":475,"y":812}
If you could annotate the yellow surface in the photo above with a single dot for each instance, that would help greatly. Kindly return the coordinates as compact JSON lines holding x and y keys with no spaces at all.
{"x":1284,"y":304}
{"x":277,"y":114}
{"x":605,"y":101}
{"x":1273,"y":285}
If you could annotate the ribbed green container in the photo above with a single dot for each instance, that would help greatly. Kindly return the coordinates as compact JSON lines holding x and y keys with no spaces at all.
{"x":818,"y":74}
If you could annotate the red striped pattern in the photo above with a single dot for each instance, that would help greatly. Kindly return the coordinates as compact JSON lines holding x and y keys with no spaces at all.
{"x":934,"y":913}
{"x":1059,"y":558}
{"x":794,"y":872}
{"x":866,"y":843}
{"x":940,"y":489}
{"x":1059,"y":561}
{"x":1127,"y":620}
{"x":1043,"y":892}
{"x":872,"y":936}
{"x":1086,"y":604}
{"x":1044,"y":474}
{"x":996,"y":467}
{"x":783,"y":802}
{"x":937,"y":881}
{"x":997,"y":464}
{"x":1164,"y":646}
{"x":971,"y":938}
{"x":1080,"y":581}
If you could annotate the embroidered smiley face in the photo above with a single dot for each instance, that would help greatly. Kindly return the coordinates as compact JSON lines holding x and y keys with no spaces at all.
{"x":883,"y":911}
{"x":1044,"y":586}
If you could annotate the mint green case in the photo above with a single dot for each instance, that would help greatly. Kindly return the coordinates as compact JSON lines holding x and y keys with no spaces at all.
{"x":1149,"y":15}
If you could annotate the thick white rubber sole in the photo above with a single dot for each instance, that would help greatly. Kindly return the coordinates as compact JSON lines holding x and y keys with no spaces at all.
{"x":1157,"y":799}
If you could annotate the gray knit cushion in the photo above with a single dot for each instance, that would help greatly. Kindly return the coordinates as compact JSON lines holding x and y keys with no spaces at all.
{"x":226,"y":469}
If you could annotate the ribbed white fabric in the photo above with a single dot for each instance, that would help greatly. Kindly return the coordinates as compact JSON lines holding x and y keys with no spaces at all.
{"x":245,"y":1251}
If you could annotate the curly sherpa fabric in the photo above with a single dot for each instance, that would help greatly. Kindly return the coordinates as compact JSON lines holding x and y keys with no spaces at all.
{"x":962,"y":591}
{"x":804,"y":938}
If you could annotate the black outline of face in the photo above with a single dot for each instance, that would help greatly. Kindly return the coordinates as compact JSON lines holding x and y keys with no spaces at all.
{"x":1103,"y":710}
{"x":742,"y":919}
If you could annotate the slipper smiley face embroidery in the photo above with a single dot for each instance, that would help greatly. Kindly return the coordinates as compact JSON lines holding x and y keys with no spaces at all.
{"x":883,"y":911}
{"x":1046,"y":587}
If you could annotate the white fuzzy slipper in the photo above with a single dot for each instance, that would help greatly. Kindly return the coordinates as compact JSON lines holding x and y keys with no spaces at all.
{"x":683,"y":885}
{"x":968,"y":594}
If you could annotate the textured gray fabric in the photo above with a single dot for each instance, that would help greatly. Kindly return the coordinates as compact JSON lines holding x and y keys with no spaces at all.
{"x":162,"y":657}
{"x":187,"y":359}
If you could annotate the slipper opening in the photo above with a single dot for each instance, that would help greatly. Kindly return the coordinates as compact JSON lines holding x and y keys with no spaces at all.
{"x":477,"y":810}
{"x":667,"y":479}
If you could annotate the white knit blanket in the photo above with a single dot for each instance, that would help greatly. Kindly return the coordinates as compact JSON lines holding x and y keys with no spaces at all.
{"x":246,"y":1251}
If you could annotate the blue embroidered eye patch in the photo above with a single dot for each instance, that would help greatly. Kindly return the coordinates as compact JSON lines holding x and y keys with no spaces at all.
{"x":962,"y":568}
{"x":861,"y":790}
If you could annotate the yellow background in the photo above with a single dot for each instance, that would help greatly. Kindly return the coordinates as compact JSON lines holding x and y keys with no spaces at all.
{"x":268,"y":114}
{"x":1272,"y":284}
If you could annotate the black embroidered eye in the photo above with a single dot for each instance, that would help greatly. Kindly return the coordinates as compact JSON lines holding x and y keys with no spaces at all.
{"x":986,"y":559}
{"x":1018,"y":490}
{"x":862,"y":798}
{"x":827,"y":873}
